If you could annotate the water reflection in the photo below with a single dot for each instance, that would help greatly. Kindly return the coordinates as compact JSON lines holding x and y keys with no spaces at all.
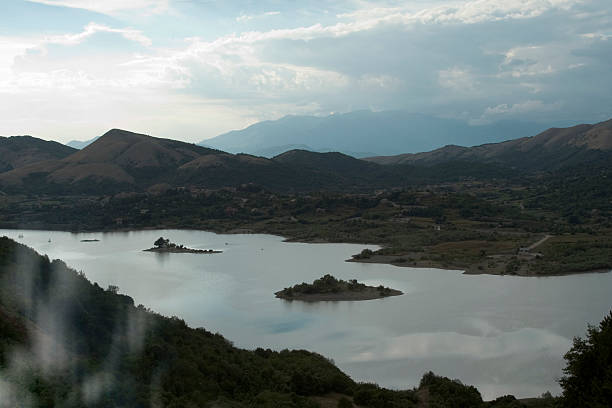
{"x":311,"y":307}
{"x":506,"y":335}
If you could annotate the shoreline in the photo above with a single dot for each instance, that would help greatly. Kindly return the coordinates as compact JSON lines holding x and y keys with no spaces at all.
{"x":375,"y":259}
{"x":370,"y":293}
{"x":183,"y":251}
{"x":474,"y":271}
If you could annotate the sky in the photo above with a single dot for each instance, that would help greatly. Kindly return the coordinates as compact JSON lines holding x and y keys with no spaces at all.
{"x":192,"y":69}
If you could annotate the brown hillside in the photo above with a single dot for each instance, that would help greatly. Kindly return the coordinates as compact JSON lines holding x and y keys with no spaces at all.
{"x":20,"y":151}
{"x":129,"y":149}
{"x":553,"y":147}
{"x":117,"y":157}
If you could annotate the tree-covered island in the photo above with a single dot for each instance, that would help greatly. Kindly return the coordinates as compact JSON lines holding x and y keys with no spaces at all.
{"x":330,"y":288}
{"x":164,"y":245}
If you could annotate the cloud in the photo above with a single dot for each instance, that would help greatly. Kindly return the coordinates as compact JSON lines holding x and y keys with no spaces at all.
{"x":597,"y":36}
{"x":464,"y":59}
{"x":521,"y":110}
{"x":111,"y":6}
{"x":92,"y":29}
{"x":244,"y":17}
{"x":470,"y":12}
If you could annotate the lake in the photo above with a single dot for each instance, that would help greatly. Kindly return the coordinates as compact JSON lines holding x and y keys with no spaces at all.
{"x":503,"y":334}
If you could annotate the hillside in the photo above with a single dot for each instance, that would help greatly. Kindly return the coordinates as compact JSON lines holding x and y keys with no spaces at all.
{"x":551,"y":149}
{"x":20,"y":151}
{"x":122,"y":161}
{"x":126,"y":161}
{"x":364,"y":133}
{"x":117,"y":161}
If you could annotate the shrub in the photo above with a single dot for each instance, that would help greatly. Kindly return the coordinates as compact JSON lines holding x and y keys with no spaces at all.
{"x":588,"y":375}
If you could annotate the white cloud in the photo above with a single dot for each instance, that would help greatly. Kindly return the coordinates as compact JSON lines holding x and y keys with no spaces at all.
{"x":521,"y":109}
{"x":527,"y":106}
{"x":245,"y":17}
{"x":470,"y":12}
{"x":597,"y":36}
{"x":431,"y":57}
{"x":111,"y":6}
{"x":543,"y":59}
{"x":93,"y":28}
{"x":478,"y":11}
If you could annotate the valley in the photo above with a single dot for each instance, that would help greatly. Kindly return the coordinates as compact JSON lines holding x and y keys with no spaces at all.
{"x":489,"y":210}
{"x":314,"y":204}
{"x":479,"y":227}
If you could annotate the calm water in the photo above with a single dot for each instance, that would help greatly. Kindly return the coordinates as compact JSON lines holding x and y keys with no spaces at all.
{"x":501,"y":334}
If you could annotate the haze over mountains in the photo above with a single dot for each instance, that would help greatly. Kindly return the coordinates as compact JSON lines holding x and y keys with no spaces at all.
{"x":126,"y":161}
{"x":365,"y":133}
{"x":81,"y":144}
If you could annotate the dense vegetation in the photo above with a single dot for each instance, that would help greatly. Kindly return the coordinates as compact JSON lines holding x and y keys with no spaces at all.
{"x":331,"y":285}
{"x":588,"y":374}
{"x":478,"y":226}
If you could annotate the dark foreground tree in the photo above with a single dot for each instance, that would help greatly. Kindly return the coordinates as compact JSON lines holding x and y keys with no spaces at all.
{"x":588,"y":376}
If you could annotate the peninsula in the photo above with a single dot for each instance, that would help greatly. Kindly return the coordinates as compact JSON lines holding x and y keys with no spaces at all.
{"x":164,"y":245}
{"x":330,"y":288}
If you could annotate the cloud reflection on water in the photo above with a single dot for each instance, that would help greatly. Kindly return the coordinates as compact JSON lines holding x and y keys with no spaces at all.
{"x":452,"y":344}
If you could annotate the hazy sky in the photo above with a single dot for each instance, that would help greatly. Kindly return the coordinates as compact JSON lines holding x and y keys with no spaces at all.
{"x":191,"y":69}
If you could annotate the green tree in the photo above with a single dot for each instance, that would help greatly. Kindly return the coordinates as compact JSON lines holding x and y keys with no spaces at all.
{"x":161,"y":242}
{"x":588,"y":375}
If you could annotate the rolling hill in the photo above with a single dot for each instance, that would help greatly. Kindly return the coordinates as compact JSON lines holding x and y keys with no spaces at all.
{"x":121,"y":161}
{"x":126,"y":161}
{"x":549,"y":150}
{"x":19,"y":151}
{"x":118,"y":160}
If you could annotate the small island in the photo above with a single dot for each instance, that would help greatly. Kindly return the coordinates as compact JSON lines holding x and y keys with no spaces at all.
{"x":330,"y":288}
{"x":164,"y":245}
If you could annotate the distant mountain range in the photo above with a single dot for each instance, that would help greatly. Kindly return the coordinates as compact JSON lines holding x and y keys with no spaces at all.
{"x":551,"y":149}
{"x":365,"y":133}
{"x":125,"y":161}
{"x":81,"y":144}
